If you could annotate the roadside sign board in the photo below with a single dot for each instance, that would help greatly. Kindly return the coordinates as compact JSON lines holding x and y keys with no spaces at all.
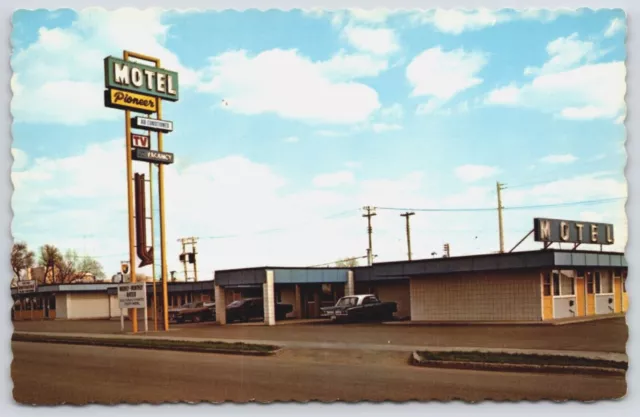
{"x":556,"y":230}
{"x":146,"y":155}
{"x":140,"y":141}
{"x":156,"y":125}
{"x":139,"y":78}
{"x":126,"y":100}
{"x":27,"y":286}
{"x":132,"y":295}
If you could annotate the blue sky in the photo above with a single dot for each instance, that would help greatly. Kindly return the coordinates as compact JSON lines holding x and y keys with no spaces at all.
{"x":287,"y":118}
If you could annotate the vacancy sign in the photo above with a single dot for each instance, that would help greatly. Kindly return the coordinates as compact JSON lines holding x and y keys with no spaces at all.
{"x":140,"y":141}
{"x":132,"y":295}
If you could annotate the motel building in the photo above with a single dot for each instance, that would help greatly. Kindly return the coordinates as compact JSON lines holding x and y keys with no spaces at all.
{"x":516,"y":286}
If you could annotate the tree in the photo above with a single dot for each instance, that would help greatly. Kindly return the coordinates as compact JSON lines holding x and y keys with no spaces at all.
{"x":89,"y":265}
{"x":347,"y":263}
{"x":73,"y":266}
{"x":50,"y":258}
{"x":21,"y":258}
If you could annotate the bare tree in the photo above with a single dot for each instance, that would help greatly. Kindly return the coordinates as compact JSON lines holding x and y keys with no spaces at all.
{"x":50,"y":258}
{"x":21,"y":258}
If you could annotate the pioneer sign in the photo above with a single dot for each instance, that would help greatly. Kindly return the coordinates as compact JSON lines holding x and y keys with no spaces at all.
{"x":140,"y":78}
{"x":124,"y":100}
{"x":555,"y":230}
{"x":132,"y":295}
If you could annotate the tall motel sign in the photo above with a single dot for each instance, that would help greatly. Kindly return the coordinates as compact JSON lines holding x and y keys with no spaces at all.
{"x":140,"y":89}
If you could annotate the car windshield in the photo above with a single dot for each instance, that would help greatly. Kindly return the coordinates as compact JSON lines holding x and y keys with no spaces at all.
{"x":185,"y":305}
{"x":236,"y":303}
{"x":347,"y":302}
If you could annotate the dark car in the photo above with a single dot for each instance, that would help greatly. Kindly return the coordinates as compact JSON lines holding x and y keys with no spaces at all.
{"x":195,"y":312}
{"x":360,"y":307}
{"x":253,"y":308}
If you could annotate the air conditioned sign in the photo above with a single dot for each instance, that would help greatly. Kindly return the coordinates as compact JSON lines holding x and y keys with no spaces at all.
{"x":140,"y":78}
{"x":124,"y":100}
{"x":156,"y":125}
{"x":555,"y":230}
{"x":132,"y":295}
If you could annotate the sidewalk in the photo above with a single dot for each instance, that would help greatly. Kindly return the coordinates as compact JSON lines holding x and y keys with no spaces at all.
{"x":620,"y":357}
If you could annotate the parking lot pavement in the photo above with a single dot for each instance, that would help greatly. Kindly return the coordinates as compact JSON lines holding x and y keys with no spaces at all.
{"x":602,"y":335}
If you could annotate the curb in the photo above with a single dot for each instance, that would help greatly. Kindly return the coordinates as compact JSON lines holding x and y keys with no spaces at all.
{"x":156,"y":346}
{"x":415,"y":360}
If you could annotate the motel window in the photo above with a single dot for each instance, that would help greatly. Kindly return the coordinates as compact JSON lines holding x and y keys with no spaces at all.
{"x":556,"y":283}
{"x":624,"y":281}
{"x":52,"y":302}
{"x":590,"y":289}
{"x":546,"y":284}
{"x":278,"y":296}
{"x":598,"y":282}
{"x":567,"y":283}
{"x":606,"y":283}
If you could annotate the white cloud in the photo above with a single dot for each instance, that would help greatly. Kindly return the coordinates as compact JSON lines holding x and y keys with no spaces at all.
{"x":457,"y":21}
{"x":559,"y":159}
{"x":379,"y":41}
{"x":385,"y":127}
{"x":345,"y":67}
{"x":472,"y":173}
{"x":566,"y":53}
{"x":292,"y":139}
{"x":587,"y":92}
{"x":20,"y":159}
{"x":443,"y":74}
{"x":616,"y":25}
{"x":333,"y":179}
{"x":59,"y":78}
{"x":287,"y":84}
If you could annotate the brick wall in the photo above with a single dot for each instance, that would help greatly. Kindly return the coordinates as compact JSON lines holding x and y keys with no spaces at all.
{"x":477,"y":296}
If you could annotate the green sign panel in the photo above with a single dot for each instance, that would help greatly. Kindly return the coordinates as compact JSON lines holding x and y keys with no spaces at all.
{"x":140,"y":78}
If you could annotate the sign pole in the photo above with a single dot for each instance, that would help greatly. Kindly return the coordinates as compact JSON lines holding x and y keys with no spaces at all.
{"x":146,"y":318}
{"x":153,"y":266}
{"x":132,"y":256}
{"x":121,"y":319}
{"x":163,"y":237}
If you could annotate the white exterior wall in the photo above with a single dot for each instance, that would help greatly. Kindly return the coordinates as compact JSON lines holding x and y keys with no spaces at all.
{"x":61,"y":306}
{"x":476,"y":297}
{"x":221,"y":305}
{"x":269,"y":300}
{"x":288,"y":295}
{"x":114,"y":307}
{"x":88,"y":306}
{"x":603,"y":306}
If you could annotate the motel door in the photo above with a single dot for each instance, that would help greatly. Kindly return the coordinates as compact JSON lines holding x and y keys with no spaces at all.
{"x":591,"y":293}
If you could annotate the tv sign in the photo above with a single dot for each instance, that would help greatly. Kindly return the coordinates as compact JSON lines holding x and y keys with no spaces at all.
{"x":140,"y":141}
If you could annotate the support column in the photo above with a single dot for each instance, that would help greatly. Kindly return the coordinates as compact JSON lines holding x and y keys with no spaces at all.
{"x":297,"y":307}
{"x":221,"y":304}
{"x":268,"y":298}
{"x":349,"y":286}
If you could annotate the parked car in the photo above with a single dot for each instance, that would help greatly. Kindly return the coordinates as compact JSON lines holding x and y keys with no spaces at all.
{"x":195,"y":312}
{"x":253,"y":308}
{"x":360,"y":307}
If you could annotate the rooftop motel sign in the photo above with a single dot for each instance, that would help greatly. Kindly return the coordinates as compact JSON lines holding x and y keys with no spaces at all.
{"x":554,"y":230}
{"x":139,"y":79}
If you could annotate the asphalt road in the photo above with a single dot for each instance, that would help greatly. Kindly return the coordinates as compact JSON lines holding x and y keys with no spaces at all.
{"x":47,"y":374}
{"x":601,"y":335}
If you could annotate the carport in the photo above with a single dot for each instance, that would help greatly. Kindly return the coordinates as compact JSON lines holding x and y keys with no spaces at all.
{"x":307,"y":289}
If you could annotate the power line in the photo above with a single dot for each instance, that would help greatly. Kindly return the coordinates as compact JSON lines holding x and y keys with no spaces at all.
{"x":476,"y":209}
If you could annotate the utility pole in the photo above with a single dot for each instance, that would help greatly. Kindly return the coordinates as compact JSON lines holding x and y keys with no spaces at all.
{"x":407,"y":215}
{"x":371,"y":211}
{"x":446,"y":250}
{"x":499,"y":188}
{"x":189,"y":257}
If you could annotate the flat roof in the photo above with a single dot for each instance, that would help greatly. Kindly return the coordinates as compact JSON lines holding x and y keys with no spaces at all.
{"x":107,"y":286}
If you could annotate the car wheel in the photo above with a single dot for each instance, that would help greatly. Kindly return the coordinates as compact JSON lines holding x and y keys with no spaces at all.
{"x":197,"y":319}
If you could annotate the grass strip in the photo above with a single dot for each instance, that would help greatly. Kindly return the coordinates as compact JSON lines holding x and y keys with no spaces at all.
{"x":520,"y":359}
{"x":162,"y":344}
